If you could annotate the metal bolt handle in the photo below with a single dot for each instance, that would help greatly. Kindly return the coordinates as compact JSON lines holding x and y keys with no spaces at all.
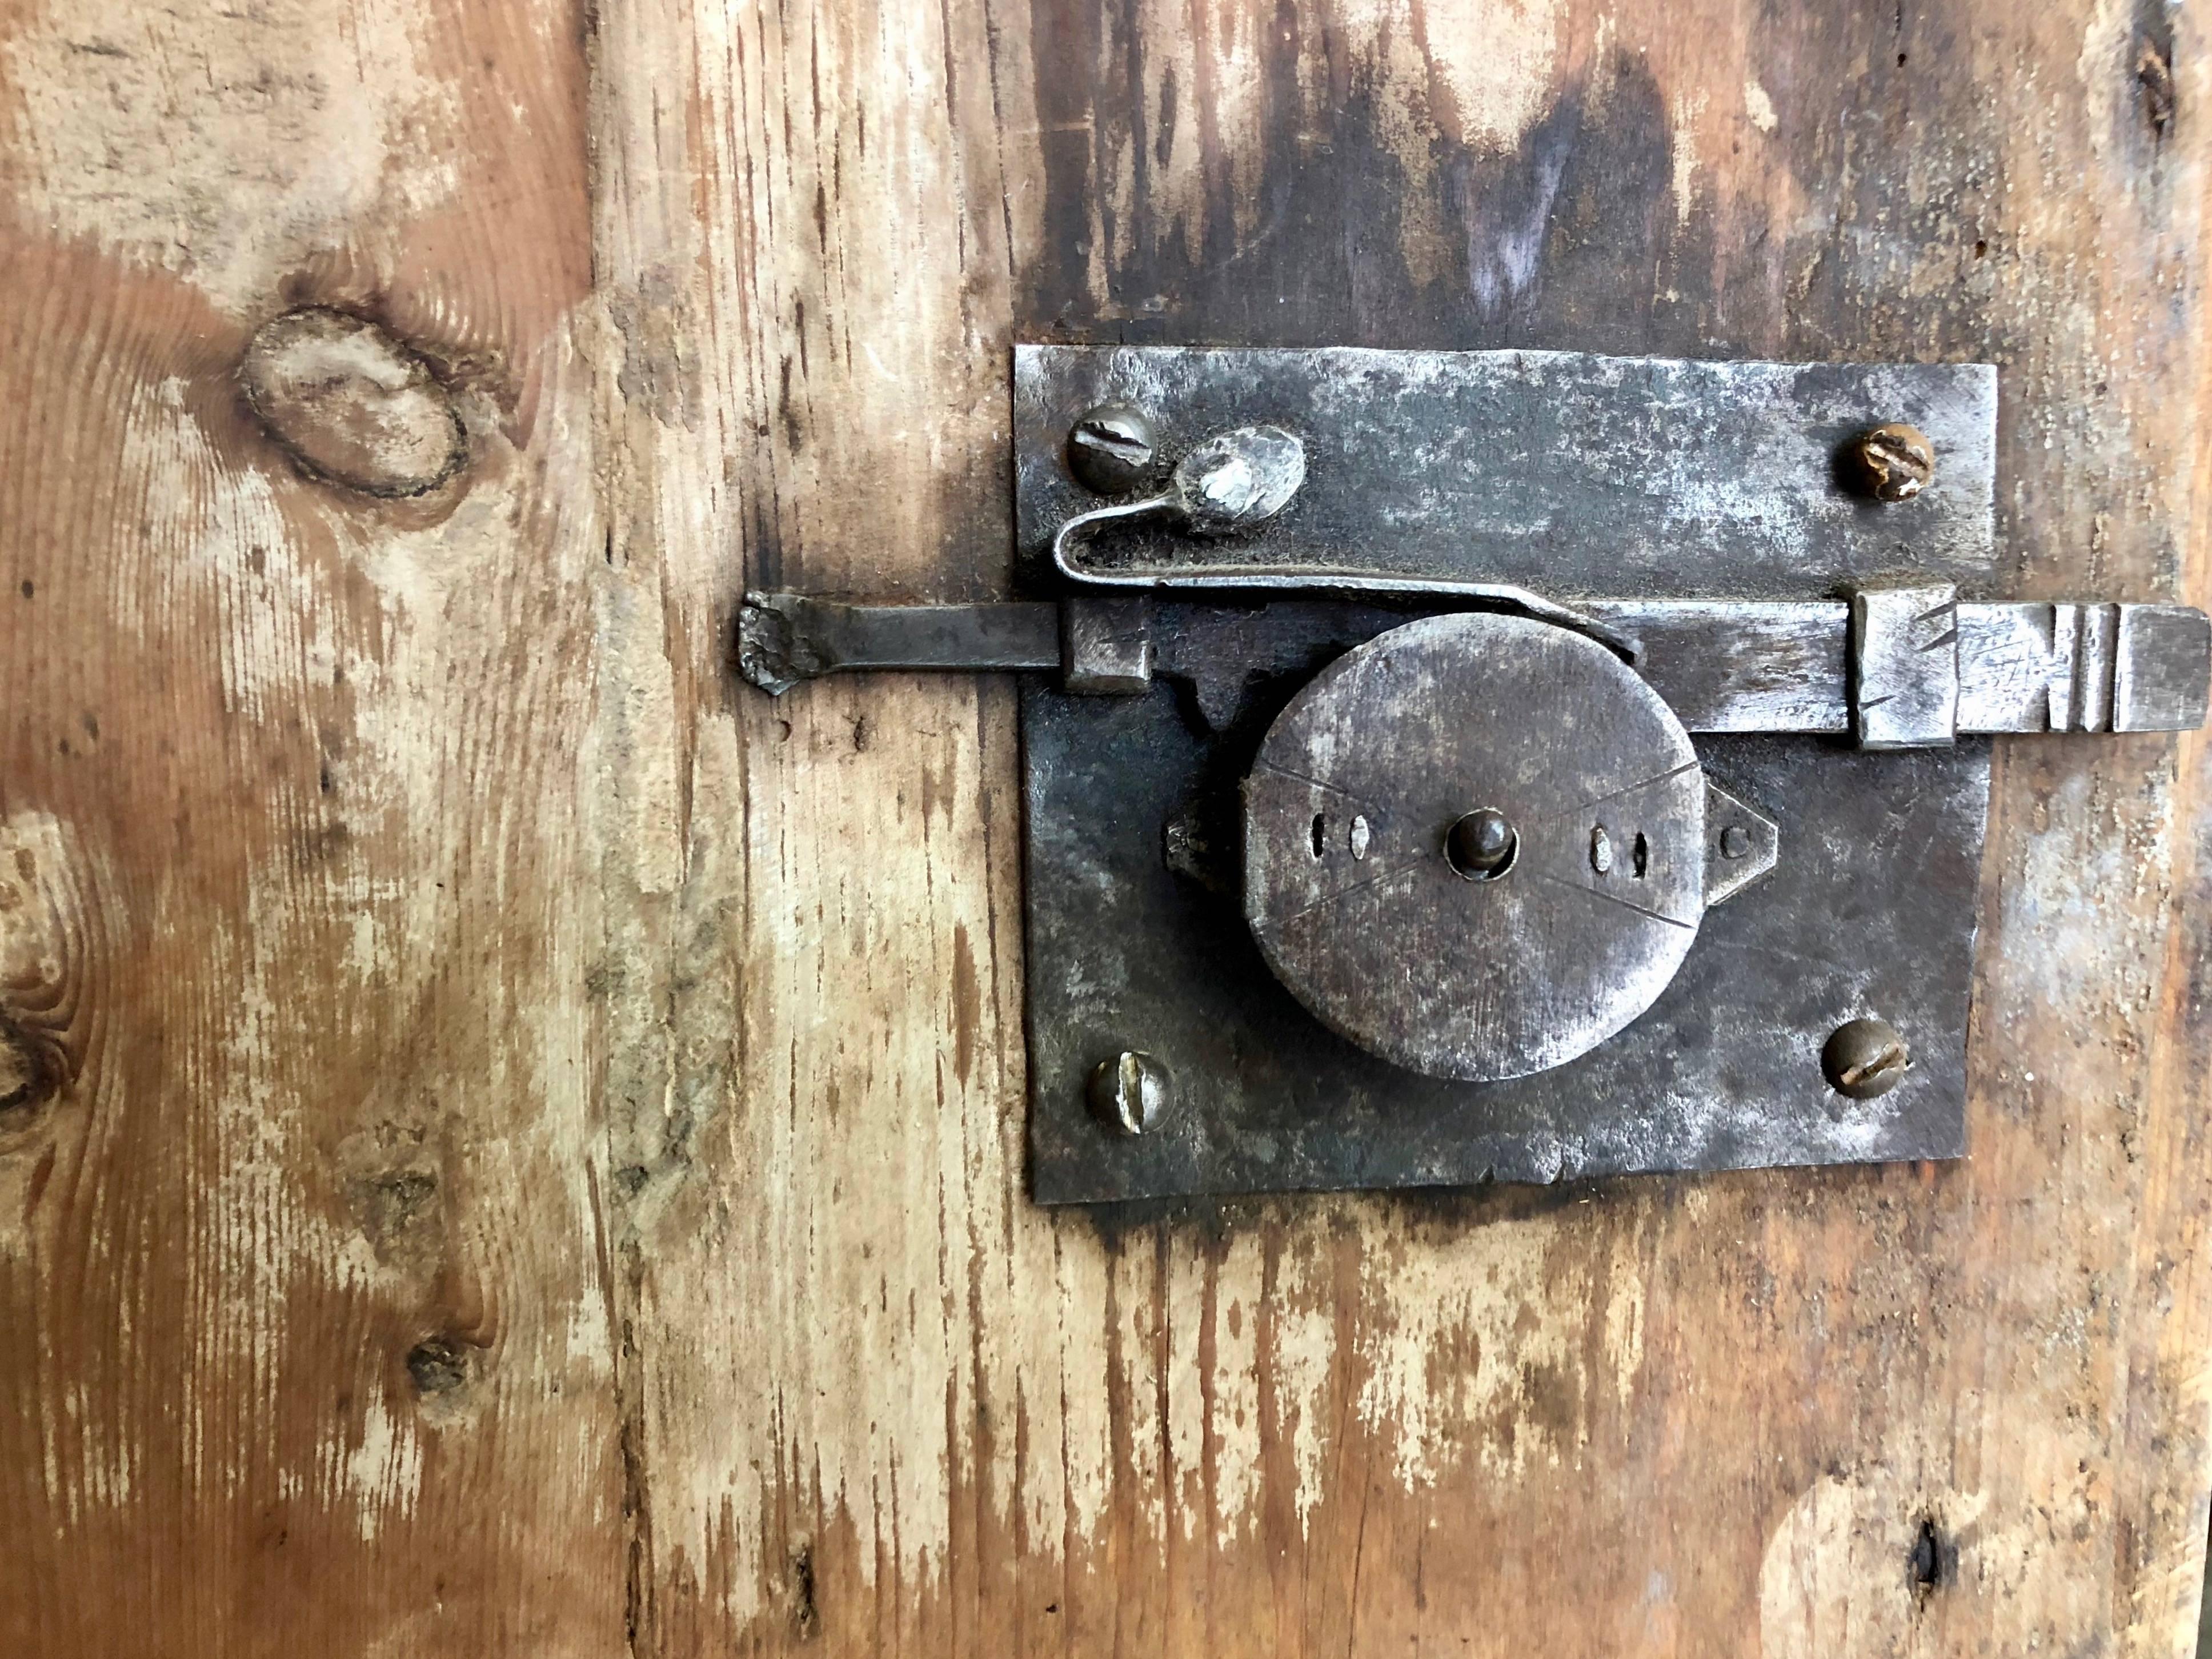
{"x":1236,"y":482}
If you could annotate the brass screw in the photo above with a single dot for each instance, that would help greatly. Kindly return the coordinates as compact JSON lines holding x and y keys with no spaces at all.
{"x":1865,"y":1058}
{"x":1897,"y":461}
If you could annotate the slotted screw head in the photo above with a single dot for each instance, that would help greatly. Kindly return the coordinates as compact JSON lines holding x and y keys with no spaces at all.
{"x":1131,"y":1091}
{"x":1111,"y":449}
{"x":1896,"y":461}
{"x":1865,"y":1058}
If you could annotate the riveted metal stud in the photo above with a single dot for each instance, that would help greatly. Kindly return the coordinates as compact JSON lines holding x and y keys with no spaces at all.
{"x":1482,"y":845}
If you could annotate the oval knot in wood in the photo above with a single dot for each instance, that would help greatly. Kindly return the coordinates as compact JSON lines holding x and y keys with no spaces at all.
{"x":352,"y":404}
{"x":30,"y":1074}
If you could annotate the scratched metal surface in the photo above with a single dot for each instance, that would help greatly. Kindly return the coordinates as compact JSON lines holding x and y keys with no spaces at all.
{"x":1870,"y":909}
{"x":1385,"y":941}
{"x":1571,"y":474}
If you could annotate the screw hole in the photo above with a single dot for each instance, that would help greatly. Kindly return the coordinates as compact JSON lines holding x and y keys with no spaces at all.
{"x":1927,"y":1557}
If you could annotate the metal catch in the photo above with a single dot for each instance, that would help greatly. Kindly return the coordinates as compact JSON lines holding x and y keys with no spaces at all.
{"x":1449,"y":693}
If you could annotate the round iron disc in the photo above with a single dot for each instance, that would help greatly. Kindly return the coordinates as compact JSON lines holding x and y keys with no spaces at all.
{"x":1437,"y":950}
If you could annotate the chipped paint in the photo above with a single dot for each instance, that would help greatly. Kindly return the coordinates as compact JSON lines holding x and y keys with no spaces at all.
{"x":1759,"y":107}
{"x":1687,"y":109}
{"x":384,"y":1470}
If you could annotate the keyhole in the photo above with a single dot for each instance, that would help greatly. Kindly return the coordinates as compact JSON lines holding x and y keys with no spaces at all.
{"x":1639,"y":861}
{"x":1320,"y":833}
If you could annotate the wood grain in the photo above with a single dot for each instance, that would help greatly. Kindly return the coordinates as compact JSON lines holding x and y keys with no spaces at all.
{"x":512,"y":1142}
{"x":307,"y":1345}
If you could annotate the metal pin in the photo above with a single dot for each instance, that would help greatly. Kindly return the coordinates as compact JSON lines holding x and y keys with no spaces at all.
{"x":1482,"y":845}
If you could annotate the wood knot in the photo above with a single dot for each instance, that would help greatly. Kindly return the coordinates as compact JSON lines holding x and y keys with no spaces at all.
{"x":438,"y":1366}
{"x":31,"y":1072}
{"x":50,"y":935}
{"x":352,"y":405}
{"x":1933,"y":1559}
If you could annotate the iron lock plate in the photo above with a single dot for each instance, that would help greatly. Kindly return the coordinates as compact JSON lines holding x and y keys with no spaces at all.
{"x":1829,"y":665}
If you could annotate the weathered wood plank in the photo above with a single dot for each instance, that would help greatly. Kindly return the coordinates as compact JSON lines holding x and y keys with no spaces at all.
{"x":889,"y":1405}
{"x":308,"y":1349}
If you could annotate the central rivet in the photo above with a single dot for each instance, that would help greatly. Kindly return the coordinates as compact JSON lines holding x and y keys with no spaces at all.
{"x":1482,"y":845}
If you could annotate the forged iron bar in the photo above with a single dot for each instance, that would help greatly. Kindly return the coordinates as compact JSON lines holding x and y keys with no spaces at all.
{"x":1723,"y":665}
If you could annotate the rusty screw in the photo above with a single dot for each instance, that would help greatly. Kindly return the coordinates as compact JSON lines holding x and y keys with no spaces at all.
{"x":1896,"y":461}
{"x":1111,"y":449}
{"x":1865,"y":1058}
{"x":1131,"y":1091}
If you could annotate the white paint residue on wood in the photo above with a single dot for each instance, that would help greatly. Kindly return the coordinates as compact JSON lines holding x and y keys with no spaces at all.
{"x":1759,"y":107}
{"x":1688,"y":108}
{"x":1463,"y":1341}
{"x":384,"y":1469}
{"x":143,"y":127}
{"x":1305,"y":1358}
{"x":1237,"y":1439}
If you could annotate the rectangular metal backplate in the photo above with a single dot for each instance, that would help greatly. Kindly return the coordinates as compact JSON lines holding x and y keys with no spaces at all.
{"x":1578,"y":477}
{"x":1569,"y":474}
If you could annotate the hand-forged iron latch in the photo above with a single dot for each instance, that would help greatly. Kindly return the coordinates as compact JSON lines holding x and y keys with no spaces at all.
{"x":1398,"y":719}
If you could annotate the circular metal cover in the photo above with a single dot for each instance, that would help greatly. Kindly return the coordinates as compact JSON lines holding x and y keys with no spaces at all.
{"x":1499,"y":971}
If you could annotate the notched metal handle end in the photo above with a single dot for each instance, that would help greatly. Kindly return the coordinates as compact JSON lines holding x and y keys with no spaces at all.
{"x":2161,"y":667}
{"x":773,"y":652}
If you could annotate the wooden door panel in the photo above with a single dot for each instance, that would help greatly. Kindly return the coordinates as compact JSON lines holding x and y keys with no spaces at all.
{"x":307,"y":1346}
{"x":441,"y":957}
